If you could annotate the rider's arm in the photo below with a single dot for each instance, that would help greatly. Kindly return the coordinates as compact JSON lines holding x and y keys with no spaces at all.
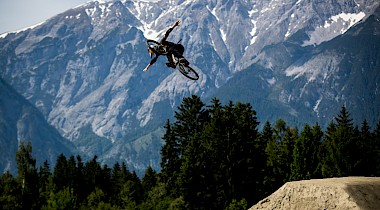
{"x":151,"y":63}
{"x":170,"y":30}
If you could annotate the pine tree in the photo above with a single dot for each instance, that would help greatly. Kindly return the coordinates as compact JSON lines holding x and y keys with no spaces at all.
{"x":45,"y":183}
{"x":131,"y":192}
{"x":119,"y":177}
{"x":190,"y":118}
{"x":328,"y":162}
{"x":206,"y":160}
{"x":375,"y":148}
{"x":305,"y":159}
{"x":60,"y":174}
{"x":362,"y":155}
{"x":92,"y":173}
{"x":170,"y":158}
{"x":96,"y":198}
{"x":149,"y":180}
{"x":267,"y":148}
{"x":116,"y":184}
{"x":345,"y":144}
{"x":219,"y":163}
{"x":61,"y":200}
{"x":105,"y":181}
{"x":339,"y":146}
{"x":72,"y":173}
{"x":267,"y":133}
{"x":10,"y":192}
{"x":243,"y":157}
{"x":315,"y":151}
{"x":27,"y":176}
{"x":81,"y":191}
{"x":343,"y":118}
{"x":44,"y":175}
{"x":280,"y":154}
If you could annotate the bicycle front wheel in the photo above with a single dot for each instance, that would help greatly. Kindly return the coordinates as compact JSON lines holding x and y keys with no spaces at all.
{"x":156,"y":47}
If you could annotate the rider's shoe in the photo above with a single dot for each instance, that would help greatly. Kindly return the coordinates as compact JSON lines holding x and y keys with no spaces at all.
{"x":171,"y":65}
{"x":184,"y":61}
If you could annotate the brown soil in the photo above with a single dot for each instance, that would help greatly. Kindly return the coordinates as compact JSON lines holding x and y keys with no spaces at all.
{"x":346,"y":193}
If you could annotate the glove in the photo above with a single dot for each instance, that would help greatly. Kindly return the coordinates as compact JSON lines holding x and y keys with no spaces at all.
{"x":177,"y":23}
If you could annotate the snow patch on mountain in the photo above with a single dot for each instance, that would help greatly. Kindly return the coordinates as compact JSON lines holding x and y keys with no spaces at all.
{"x":148,"y":32}
{"x":316,"y":106}
{"x":271,"y":81}
{"x":22,"y":30}
{"x":253,"y":32}
{"x":100,"y":10}
{"x":336,"y":25}
{"x":214,"y":13}
{"x":348,"y":18}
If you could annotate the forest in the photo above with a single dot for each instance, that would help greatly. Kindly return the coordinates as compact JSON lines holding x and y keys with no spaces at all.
{"x":214,"y":157}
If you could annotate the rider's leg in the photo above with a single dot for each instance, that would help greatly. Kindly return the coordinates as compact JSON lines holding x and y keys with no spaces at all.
{"x":180,"y":49}
{"x":182,"y":60}
{"x":171,"y":62}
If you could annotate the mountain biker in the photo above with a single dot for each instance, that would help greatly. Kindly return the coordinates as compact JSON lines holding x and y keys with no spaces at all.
{"x":176,"y":49}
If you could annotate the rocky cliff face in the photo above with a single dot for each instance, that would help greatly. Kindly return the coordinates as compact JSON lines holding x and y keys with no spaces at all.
{"x":83,"y":68}
{"x":21,"y":121}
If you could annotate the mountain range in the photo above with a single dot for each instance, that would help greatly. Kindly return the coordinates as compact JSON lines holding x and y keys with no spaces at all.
{"x":21,"y":121}
{"x":81,"y":70}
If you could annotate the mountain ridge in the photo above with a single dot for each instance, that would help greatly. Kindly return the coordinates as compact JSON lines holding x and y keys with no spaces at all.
{"x":21,"y":121}
{"x":83,"y":68}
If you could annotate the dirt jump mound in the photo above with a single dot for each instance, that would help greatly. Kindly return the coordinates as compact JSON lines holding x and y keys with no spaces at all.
{"x":345,"y":193}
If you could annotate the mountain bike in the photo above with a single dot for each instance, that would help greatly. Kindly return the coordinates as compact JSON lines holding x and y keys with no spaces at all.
{"x":181,"y":64}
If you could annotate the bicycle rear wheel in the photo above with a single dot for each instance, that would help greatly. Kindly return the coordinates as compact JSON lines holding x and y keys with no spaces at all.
{"x":187,"y":71}
{"x":154,"y":45}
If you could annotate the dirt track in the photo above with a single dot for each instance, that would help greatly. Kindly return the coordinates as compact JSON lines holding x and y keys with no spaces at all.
{"x":346,"y":193}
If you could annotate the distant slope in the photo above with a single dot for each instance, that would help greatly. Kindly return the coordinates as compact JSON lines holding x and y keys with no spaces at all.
{"x":21,"y":121}
{"x":342,"y":71}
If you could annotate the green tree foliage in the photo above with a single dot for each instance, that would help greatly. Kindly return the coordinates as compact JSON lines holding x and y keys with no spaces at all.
{"x":10,"y":191}
{"x":375,"y":150}
{"x":235,"y":205}
{"x":305,"y":153}
{"x":61,"y":200}
{"x":218,"y":156}
{"x":214,"y":157}
{"x":170,"y":159}
{"x":27,"y":176}
{"x":339,"y":146}
{"x":61,"y":178}
{"x":45,"y":181}
{"x":149,"y":180}
{"x":279,"y":152}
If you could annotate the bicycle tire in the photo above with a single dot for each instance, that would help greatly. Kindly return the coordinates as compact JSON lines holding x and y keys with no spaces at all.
{"x":150,"y":42}
{"x":187,"y":71}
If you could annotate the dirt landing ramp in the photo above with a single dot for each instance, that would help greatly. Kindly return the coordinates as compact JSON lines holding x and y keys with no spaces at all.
{"x":346,"y":193}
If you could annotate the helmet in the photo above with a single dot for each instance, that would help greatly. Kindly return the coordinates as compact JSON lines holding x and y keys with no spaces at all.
{"x":151,"y":52}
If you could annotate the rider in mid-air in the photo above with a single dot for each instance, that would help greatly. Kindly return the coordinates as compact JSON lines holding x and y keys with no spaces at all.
{"x":176,"y":49}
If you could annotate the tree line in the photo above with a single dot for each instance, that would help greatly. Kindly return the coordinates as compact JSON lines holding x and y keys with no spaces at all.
{"x":214,"y":157}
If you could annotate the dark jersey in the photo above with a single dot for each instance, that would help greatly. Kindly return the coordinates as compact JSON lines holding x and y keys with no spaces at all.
{"x":176,"y":49}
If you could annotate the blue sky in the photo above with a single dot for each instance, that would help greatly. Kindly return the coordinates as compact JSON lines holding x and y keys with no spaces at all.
{"x":18,"y":14}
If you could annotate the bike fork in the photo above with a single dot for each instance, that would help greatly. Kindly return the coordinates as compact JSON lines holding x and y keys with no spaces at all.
{"x":173,"y":59}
